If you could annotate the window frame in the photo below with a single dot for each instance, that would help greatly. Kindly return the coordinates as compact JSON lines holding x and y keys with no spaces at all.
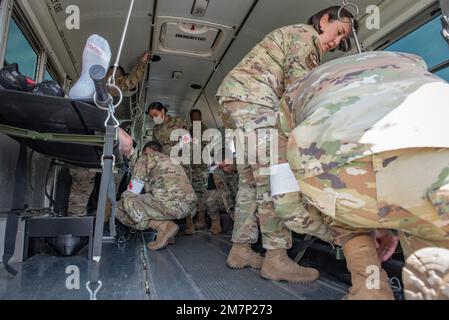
{"x":44,"y":63}
{"x":409,"y":26}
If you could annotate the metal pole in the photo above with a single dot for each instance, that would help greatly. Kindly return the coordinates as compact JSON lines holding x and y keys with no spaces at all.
{"x":122,"y":40}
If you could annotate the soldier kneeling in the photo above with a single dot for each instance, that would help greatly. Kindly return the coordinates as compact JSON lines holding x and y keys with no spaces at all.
{"x":168,"y":196}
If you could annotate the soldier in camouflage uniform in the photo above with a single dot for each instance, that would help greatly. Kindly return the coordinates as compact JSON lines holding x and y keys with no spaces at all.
{"x":221,"y":193}
{"x":249,"y":97}
{"x":368,"y":145}
{"x":162,"y":131}
{"x":199,"y":170}
{"x":128,"y":82}
{"x":82,"y":178}
{"x":168,"y":196}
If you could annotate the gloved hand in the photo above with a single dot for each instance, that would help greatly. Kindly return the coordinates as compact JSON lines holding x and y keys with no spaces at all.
{"x":386,"y":243}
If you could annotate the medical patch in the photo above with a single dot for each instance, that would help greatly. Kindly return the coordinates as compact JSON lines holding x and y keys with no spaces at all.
{"x":136,"y":186}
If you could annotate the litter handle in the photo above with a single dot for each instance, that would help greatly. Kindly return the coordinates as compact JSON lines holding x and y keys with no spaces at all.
{"x":98,"y":75}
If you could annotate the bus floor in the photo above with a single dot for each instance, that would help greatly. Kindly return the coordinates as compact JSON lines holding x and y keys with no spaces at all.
{"x":194,"y":268}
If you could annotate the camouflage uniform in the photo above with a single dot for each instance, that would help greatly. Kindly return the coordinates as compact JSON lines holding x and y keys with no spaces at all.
{"x":199,"y":172}
{"x":223,"y":198}
{"x":246,"y":228}
{"x":249,"y":98}
{"x":168,"y":193}
{"x":129,"y":82}
{"x":82,"y":185}
{"x":367,"y":153}
{"x":82,"y":179}
{"x":162,"y":132}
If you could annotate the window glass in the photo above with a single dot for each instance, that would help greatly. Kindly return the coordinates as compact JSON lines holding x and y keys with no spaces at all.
{"x":443,"y":74}
{"x":426,"y":42}
{"x":19,"y":50}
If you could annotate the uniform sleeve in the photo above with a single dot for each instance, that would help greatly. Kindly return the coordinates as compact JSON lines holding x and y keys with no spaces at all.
{"x":143,"y":167}
{"x":274,"y":44}
{"x":156,"y":134}
{"x":129,"y":82}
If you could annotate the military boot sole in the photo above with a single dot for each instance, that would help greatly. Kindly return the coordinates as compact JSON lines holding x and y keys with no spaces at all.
{"x":276,"y":277}
{"x":426,"y":275}
{"x":237,"y":265}
{"x":165,"y":241}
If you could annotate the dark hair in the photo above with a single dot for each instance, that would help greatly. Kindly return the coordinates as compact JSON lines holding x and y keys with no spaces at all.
{"x":193,"y":111}
{"x":118,"y":68}
{"x":153,"y":145}
{"x":333,"y":15}
{"x":158,"y":106}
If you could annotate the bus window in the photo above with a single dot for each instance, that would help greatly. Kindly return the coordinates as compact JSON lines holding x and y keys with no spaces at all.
{"x":427,"y":42}
{"x":48,"y":76}
{"x":18,"y":49}
{"x":443,"y":73}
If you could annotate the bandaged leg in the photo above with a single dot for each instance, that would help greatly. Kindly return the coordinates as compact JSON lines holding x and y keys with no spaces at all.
{"x":96,"y":51}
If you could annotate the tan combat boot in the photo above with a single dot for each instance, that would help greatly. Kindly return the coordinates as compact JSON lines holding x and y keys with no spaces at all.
{"x":426,"y":275}
{"x":242,"y":256}
{"x":278,"y":266}
{"x":215,"y":228}
{"x":166,"y":231}
{"x":201,"y":221}
{"x":362,"y":260}
{"x":190,"y":228}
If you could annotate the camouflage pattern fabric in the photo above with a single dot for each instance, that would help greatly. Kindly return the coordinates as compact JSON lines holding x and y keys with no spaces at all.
{"x":168,"y":193}
{"x":274,"y":233}
{"x":321,"y":109}
{"x":199,"y":171}
{"x":359,"y":168}
{"x":82,"y":185}
{"x":131,"y":81}
{"x":249,"y":98}
{"x":246,"y":227}
{"x":284,"y":55}
{"x":162,"y":132}
{"x":224,"y":197}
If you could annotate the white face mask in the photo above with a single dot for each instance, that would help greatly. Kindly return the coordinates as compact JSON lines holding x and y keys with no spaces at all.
{"x":158,"y":120}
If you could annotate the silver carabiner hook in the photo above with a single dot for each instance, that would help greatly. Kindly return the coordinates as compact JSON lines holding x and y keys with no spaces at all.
{"x":346,"y":5}
{"x":93,"y":295}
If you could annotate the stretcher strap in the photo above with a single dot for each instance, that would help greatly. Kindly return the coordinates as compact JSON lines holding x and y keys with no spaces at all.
{"x":107,"y":188}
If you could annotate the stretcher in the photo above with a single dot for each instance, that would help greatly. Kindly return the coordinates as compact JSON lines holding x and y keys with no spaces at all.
{"x":66,"y":130}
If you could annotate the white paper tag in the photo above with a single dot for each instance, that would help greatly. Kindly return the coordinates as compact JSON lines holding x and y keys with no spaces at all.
{"x":136,"y":186}
{"x":282,"y":180}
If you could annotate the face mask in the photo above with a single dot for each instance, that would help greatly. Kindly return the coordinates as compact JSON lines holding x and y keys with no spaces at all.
{"x":158,"y":120}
